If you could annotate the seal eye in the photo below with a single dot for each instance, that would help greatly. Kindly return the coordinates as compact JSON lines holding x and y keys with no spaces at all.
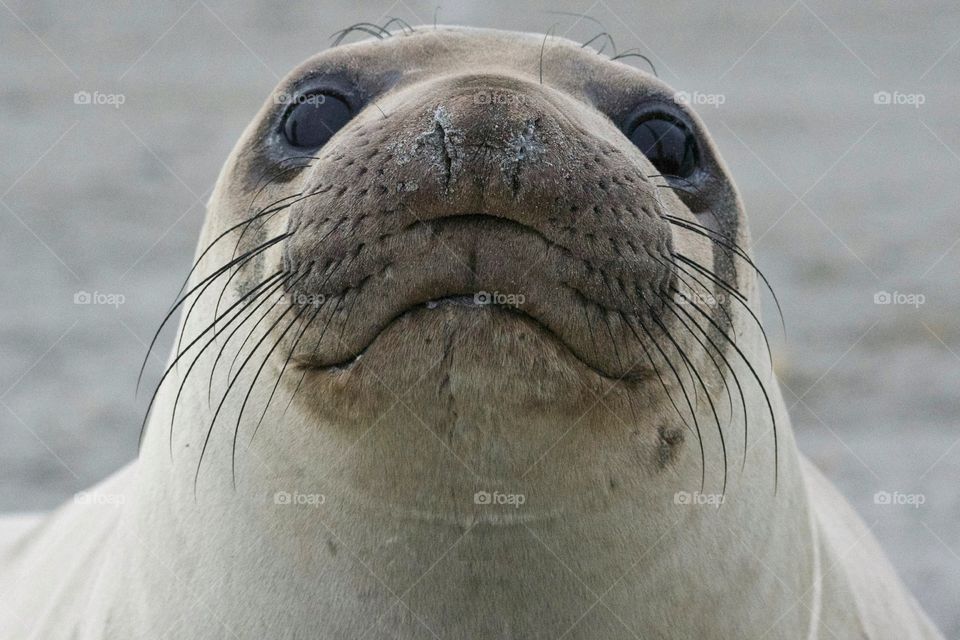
{"x":668,"y":143}
{"x":314,"y":119}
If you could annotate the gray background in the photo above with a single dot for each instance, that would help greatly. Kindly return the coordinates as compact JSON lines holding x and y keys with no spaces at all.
{"x":847,"y":198}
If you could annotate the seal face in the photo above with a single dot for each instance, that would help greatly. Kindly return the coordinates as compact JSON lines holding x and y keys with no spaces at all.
{"x":463,"y":201}
{"x":479,"y":216}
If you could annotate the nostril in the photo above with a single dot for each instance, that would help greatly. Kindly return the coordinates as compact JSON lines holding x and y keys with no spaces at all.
{"x":521,"y":150}
{"x":443,"y":142}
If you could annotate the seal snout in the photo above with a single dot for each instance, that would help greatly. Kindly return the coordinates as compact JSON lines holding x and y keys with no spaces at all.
{"x":491,"y":120}
{"x":481,"y":184}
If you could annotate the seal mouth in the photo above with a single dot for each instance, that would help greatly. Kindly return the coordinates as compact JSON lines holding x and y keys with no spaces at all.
{"x":468,"y":304}
{"x":480,"y":302}
{"x":475,"y":300}
{"x":592,"y":307}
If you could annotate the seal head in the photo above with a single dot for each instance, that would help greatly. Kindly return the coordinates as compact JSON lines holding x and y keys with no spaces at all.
{"x":456,"y":199}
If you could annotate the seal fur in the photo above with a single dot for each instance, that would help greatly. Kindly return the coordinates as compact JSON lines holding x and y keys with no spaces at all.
{"x":346,"y":444}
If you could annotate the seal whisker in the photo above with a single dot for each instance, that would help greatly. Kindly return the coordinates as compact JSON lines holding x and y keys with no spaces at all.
{"x":683,"y":275}
{"x":613,"y":341}
{"x":760,"y":383}
{"x":283,"y":369}
{"x":693,"y":188}
{"x":689,"y":188}
{"x":706,"y":391}
{"x":732,"y":291}
{"x":686,"y":396}
{"x":673,"y":306}
{"x":674,"y":187}
{"x":340,"y":299}
{"x":713,"y":276}
{"x":267,"y":210}
{"x":365,"y":27}
{"x":633,"y":53}
{"x":253,"y":383}
{"x":329,"y":321}
{"x":669,"y":306}
{"x":349,"y":312}
{"x":230,"y":386}
{"x":316,"y":345}
{"x":543,"y":46}
{"x":220,"y":237}
{"x":279,"y":209}
{"x":609,"y":40}
{"x":322,"y":332}
{"x":687,"y":365}
{"x":283,"y":204}
{"x":270,"y":175}
{"x":226,"y":394}
{"x":616,"y":351}
{"x":733,"y":373}
{"x":725,"y":242}
{"x":265,"y":294}
{"x":250,"y":334}
{"x":216,"y":310}
{"x":407,"y":29}
{"x":713,"y":235}
{"x":190,"y":308}
{"x":578,"y":16}
{"x":181,"y":355}
{"x":217,"y":273}
{"x":180,"y":300}
{"x":656,"y":371}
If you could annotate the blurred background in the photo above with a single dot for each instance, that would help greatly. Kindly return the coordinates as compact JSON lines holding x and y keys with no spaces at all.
{"x":838,"y":121}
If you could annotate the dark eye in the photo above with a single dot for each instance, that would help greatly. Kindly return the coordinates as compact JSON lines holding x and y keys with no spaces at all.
{"x":668,"y":143}
{"x":314,"y":119}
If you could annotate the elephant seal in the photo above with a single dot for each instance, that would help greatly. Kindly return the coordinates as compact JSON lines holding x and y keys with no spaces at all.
{"x":471,"y":349}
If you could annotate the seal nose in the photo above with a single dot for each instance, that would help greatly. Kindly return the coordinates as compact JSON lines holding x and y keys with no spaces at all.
{"x":493,"y":110}
{"x":485,"y":127}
